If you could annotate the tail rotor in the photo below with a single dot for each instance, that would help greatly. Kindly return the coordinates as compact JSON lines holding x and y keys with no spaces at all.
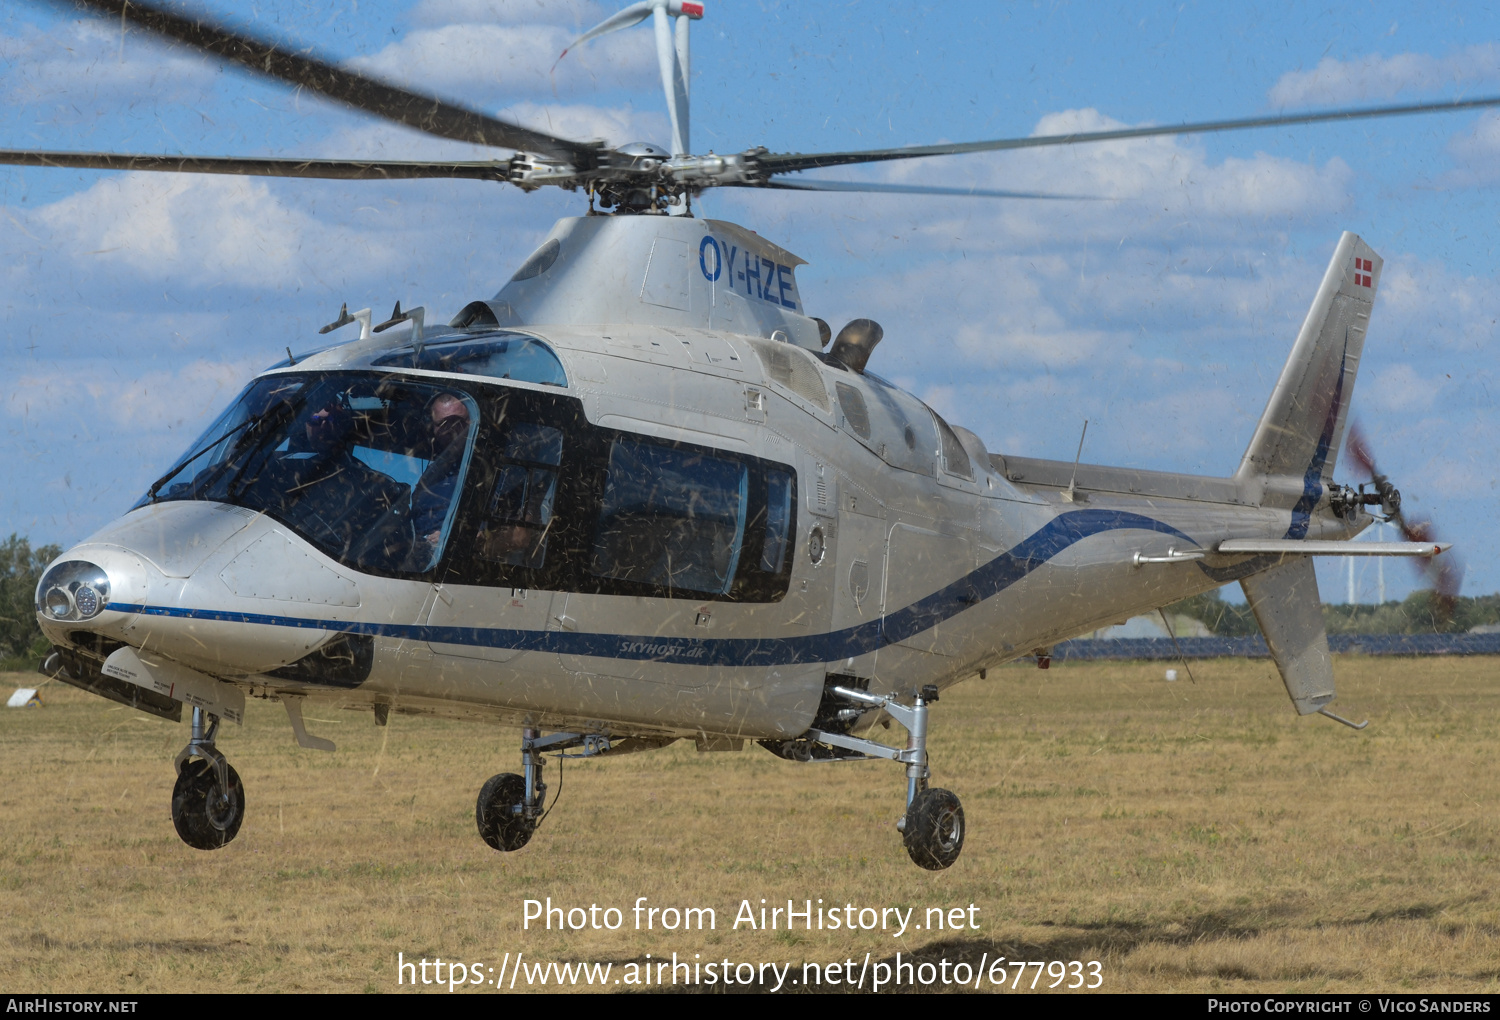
{"x":1445,"y":574}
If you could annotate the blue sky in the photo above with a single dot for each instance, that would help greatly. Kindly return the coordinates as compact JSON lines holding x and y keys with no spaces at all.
{"x":135,"y":306}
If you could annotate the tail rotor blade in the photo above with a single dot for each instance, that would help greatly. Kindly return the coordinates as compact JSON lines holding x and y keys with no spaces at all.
{"x":1359,"y":448}
{"x":1443,"y":573}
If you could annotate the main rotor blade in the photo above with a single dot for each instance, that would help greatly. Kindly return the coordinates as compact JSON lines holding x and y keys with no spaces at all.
{"x":259,"y":166}
{"x":786,"y":162}
{"x":425,"y":113}
{"x":907,"y":189}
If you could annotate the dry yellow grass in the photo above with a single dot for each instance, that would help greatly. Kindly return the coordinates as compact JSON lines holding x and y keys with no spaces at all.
{"x":1191,"y":838}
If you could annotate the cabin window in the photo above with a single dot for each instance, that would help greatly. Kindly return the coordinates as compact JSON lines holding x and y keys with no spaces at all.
{"x":856,"y":414}
{"x":518,"y":519}
{"x":791,"y":367}
{"x":498,"y":356}
{"x":671,"y":518}
{"x":779,"y":486}
{"x":955,"y":457}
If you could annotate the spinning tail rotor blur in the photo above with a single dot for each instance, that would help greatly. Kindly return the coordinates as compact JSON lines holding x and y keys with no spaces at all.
{"x":1445,"y":573}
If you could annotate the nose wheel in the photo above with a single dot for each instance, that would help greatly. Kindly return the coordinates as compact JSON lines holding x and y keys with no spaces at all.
{"x":208,"y":800}
{"x":206,"y":810}
{"x":934,"y":829}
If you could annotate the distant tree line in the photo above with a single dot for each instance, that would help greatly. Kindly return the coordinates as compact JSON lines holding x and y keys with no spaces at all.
{"x":21,"y":643}
{"x":1418,"y":613}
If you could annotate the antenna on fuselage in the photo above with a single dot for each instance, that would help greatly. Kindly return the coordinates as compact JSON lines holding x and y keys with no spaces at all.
{"x":414,"y":317}
{"x":362,"y":317}
{"x":1071,"y":496}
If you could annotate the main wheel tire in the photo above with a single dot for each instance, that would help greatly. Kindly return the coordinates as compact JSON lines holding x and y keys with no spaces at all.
{"x":499,"y":824}
{"x":207,"y":817}
{"x":934,"y":834}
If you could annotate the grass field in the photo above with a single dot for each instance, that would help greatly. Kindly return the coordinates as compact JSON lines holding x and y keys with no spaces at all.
{"x":1188,"y":837}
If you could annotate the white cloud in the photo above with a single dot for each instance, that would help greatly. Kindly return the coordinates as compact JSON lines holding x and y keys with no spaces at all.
{"x":1152,"y":181}
{"x":569,"y":13}
{"x":1149,"y":191}
{"x":1427,"y":305}
{"x":617,"y":125}
{"x":1400,"y":388}
{"x":1379,"y":77}
{"x":85,"y":63}
{"x":107,"y":400}
{"x":486,"y":58}
{"x":1476,"y":153}
{"x":202,"y":230}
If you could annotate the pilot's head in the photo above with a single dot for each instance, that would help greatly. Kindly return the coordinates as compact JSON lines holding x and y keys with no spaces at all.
{"x":450,"y":419}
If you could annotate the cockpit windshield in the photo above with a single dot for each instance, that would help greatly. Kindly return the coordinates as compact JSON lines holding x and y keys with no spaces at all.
{"x":364,"y":466}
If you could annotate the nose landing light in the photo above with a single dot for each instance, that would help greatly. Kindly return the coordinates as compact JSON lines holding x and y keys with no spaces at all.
{"x":73,"y":591}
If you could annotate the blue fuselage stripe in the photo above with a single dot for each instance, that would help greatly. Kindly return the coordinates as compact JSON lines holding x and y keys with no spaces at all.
{"x":989,"y":580}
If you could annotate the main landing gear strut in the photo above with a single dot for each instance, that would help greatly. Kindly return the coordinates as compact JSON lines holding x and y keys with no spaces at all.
{"x":208,"y":801}
{"x":933,"y":826}
{"x":509,"y":808}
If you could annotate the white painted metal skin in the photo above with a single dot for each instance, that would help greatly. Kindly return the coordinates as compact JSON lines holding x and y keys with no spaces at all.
{"x":940,"y":559}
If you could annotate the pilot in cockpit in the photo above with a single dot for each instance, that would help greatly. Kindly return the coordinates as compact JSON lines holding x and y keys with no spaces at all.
{"x":449,"y":421}
{"x":347,"y":489}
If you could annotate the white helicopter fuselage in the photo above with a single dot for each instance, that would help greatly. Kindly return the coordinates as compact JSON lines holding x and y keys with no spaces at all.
{"x":908,"y":555}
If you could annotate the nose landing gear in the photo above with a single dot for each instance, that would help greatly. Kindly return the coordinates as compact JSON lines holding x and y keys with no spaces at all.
{"x":208,"y":801}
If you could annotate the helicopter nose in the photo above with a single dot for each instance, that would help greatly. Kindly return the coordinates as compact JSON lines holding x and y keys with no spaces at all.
{"x":91,"y":590}
{"x":73,"y":591}
{"x":93,"y":587}
{"x":98,"y":590}
{"x":226,"y":601}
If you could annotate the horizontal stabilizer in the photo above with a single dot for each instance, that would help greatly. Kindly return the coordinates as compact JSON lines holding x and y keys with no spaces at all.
{"x":1298,"y":547}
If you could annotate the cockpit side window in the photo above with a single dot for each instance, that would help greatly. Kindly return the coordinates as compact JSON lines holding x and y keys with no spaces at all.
{"x":775,"y":543}
{"x":856,"y":414}
{"x":365,"y":467}
{"x":793,"y":368}
{"x":398,"y":476}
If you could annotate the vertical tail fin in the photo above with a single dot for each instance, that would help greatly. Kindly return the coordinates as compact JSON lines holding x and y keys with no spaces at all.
{"x":1292,"y":454}
{"x":1290,"y":462}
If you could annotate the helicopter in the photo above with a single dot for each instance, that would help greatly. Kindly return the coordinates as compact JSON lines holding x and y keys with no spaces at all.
{"x":640,"y":494}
